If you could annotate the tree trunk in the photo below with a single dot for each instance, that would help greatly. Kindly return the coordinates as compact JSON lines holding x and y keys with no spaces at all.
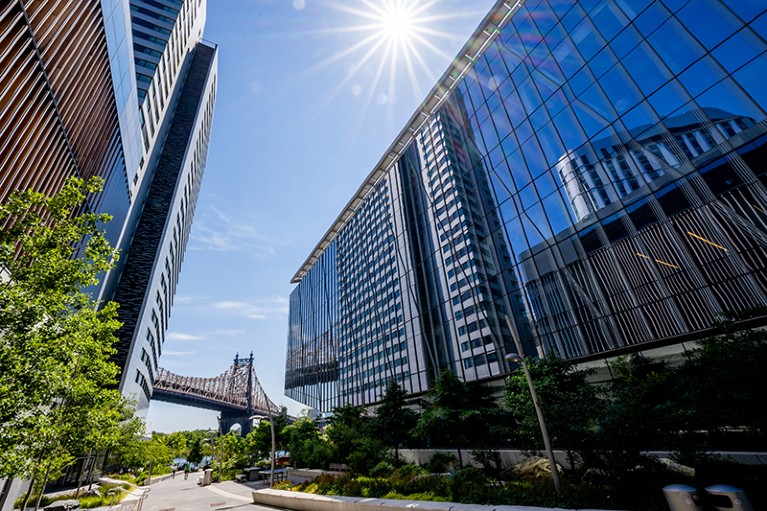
{"x":93,"y":465}
{"x":42,"y":488}
{"x":29,"y":494}
{"x":82,"y":472}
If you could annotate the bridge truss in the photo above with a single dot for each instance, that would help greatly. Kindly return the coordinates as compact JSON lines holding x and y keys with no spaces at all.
{"x":236,"y":391}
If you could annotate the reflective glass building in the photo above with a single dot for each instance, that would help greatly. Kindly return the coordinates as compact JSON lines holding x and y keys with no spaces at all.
{"x":589,"y":177}
{"x":123,"y":90}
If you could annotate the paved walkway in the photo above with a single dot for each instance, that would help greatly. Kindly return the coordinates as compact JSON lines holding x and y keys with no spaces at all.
{"x":179,"y":495}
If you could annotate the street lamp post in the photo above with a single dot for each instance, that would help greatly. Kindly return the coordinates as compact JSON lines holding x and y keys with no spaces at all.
{"x":514,"y":357}
{"x":221,"y":452}
{"x":274,"y":441}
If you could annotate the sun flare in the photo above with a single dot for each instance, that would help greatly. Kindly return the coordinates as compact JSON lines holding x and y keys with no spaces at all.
{"x":398,"y":23}
{"x":389,"y":46}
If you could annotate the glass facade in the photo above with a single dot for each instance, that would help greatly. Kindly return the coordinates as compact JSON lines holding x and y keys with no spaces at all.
{"x":597,"y":176}
{"x":176,"y":105}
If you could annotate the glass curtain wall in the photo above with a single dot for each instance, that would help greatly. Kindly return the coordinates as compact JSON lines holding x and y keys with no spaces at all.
{"x":596,"y":180}
{"x":625,"y":144}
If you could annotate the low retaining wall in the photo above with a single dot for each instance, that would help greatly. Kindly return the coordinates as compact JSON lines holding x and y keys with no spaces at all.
{"x":512,"y":457}
{"x":298,"y":501}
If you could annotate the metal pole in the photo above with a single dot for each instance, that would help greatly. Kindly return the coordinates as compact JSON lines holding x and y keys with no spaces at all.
{"x":274,"y":446}
{"x":538,"y":412}
{"x":221,"y":451}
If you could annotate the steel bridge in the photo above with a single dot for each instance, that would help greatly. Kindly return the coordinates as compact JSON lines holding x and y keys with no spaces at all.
{"x":236,"y":393}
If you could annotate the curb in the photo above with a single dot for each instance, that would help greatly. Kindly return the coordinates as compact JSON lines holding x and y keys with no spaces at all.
{"x":298,"y":501}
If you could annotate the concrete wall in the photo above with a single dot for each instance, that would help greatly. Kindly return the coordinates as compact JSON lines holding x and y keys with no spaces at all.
{"x":512,"y":456}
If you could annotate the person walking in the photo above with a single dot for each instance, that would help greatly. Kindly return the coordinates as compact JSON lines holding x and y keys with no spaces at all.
{"x":175,"y":468}
{"x":187,"y":469}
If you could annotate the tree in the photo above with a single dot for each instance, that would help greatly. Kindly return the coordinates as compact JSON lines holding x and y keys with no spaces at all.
{"x":393,"y":419}
{"x":195,"y":453}
{"x":355,"y":444}
{"x":126,"y":450}
{"x":456,"y":415}
{"x":232,"y":449}
{"x":719,"y":385}
{"x":307,"y":445}
{"x":570,"y":405}
{"x":55,"y":340}
{"x":178,"y":443}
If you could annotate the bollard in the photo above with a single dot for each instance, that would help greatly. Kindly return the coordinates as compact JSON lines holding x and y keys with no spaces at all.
{"x":725,"y":497}
{"x":680,"y":497}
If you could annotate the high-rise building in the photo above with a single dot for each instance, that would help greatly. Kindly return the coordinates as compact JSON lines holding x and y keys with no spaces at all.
{"x":124,"y":91}
{"x":588,"y":177}
{"x":176,"y":86}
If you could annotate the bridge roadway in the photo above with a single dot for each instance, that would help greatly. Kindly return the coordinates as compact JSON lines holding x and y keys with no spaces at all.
{"x":229,"y":414}
{"x":188,"y":399}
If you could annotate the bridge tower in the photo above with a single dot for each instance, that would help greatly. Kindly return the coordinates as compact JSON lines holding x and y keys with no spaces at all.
{"x":235,"y":394}
{"x":229,"y":418}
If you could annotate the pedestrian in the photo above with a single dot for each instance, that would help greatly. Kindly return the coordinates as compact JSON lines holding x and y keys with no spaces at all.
{"x":175,"y":467}
{"x":187,"y":469}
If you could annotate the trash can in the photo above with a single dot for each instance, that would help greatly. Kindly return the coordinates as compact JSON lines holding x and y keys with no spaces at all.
{"x":207,"y":477}
{"x":726,"y":497}
{"x":681,"y":497}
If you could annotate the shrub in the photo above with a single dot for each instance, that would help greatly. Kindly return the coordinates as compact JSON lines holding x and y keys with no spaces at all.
{"x":410,"y":470}
{"x":471,"y":486}
{"x":285,"y":485}
{"x":383,"y":469}
{"x":416,"y":496}
{"x":127,"y":476}
{"x":373,"y":487}
{"x":441,"y":462}
{"x":423,"y":483}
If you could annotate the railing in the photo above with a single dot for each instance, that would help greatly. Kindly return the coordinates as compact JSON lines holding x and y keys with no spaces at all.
{"x":134,"y":501}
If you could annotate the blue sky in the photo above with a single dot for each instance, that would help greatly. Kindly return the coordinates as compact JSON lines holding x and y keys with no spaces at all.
{"x":308,"y":101}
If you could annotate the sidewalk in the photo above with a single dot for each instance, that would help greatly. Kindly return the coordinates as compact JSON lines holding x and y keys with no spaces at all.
{"x":176,"y":494}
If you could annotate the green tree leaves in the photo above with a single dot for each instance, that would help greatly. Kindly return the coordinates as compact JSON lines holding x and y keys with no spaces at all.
{"x":55,"y":342}
{"x":456,"y":414}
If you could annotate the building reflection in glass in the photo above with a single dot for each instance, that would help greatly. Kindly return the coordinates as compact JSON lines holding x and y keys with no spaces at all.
{"x":597,"y":174}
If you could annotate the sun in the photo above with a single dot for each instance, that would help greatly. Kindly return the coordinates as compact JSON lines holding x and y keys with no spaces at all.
{"x":398,"y":23}
{"x":389,"y":47}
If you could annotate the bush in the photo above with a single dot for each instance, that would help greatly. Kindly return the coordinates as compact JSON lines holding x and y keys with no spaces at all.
{"x":326,"y":484}
{"x":383,"y":469}
{"x":410,"y":470}
{"x":127,"y":476}
{"x":374,"y":487}
{"x":423,"y":484}
{"x":471,"y":486}
{"x":416,"y":496}
{"x":441,"y":462}
{"x":284,"y":485}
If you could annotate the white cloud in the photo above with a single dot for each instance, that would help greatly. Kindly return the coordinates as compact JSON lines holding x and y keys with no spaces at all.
{"x":182,"y":337}
{"x":216,"y":231}
{"x":167,"y":353}
{"x":233,"y":332}
{"x":182,"y":299}
{"x":256,"y":309}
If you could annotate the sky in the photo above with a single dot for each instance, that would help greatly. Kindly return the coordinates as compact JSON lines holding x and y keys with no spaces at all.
{"x":310,"y":95}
